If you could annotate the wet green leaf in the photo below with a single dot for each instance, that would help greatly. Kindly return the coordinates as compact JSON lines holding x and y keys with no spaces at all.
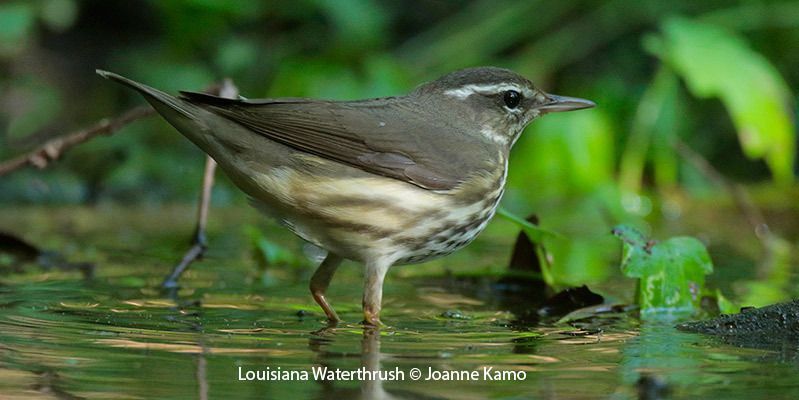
{"x":671,"y":273}
{"x":717,"y":63}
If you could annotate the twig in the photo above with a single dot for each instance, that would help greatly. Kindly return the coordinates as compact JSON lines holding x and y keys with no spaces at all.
{"x":54,"y":148}
{"x":774,"y":247}
{"x":739,"y":195}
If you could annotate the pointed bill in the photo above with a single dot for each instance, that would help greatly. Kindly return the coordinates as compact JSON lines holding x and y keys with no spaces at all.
{"x":564,"y":103}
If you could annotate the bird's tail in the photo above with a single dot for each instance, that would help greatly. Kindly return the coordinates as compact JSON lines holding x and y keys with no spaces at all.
{"x":189,"y":119}
{"x":165,"y":104}
{"x":216,"y":135}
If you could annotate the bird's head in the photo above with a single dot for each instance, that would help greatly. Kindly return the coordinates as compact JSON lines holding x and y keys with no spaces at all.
{"x":498,"y":101}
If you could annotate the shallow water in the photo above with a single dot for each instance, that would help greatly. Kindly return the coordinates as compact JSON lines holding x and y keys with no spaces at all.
{"x":117,"y":336}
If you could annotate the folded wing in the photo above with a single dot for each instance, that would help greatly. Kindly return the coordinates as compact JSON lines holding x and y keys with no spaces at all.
{"x":387,"y":137}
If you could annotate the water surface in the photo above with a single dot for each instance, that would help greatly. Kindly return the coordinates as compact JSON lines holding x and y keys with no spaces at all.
{"x":117,"y":336}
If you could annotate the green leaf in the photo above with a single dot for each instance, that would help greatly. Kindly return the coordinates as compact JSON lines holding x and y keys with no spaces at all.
{"x":656,"y":125}
{"x":537,"y":235}
{"x":533,"y":231}
{"x":671,"y":273}
{"x":717,"y":63}
{"x":725,"y":305}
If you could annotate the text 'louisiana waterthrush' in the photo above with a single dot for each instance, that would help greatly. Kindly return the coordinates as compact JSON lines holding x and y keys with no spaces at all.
{"x":386,"y":181}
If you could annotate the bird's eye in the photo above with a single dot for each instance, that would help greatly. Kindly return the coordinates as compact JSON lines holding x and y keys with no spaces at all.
{"x":512,"y":98}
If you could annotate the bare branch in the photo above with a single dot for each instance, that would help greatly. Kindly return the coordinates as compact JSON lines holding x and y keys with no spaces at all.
{"x":738,"y":193}
{"x":54,"y":148}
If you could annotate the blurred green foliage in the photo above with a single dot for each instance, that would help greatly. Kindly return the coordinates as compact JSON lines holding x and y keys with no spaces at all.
{"x":718,"y":76}
{"x":715,"y":63}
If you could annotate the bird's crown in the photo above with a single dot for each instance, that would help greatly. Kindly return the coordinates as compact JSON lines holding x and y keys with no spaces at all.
{"x":480,"y":79}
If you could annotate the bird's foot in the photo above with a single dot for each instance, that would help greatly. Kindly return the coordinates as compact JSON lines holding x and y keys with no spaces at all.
{"x":372,"y":320}
{"x":319,"y":297}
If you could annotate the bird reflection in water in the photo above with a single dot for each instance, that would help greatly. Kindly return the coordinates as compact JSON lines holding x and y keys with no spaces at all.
{"x":371,"y":359}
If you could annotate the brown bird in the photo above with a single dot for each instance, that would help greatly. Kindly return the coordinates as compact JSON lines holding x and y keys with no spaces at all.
{"x":386,"y":181}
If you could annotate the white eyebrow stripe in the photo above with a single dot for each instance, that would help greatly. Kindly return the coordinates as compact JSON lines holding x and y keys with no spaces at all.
{"x":468,"y":90}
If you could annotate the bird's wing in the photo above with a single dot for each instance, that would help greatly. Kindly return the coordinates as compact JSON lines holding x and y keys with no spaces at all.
{"x":379,"y":136}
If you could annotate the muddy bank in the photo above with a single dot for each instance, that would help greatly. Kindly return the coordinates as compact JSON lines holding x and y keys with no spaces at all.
{"x":773,"y":327}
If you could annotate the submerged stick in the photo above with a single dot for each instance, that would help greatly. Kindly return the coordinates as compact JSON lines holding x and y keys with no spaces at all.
{"x":199,"y":242}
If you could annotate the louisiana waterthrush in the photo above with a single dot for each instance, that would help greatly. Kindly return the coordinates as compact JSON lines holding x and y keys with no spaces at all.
{"x":386,"y":181}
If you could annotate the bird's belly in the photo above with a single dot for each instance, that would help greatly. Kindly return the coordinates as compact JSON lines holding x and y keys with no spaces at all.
{"x":414,"y":237}
{"x":365,"y":217}
{"x":406,"y":230}
{"x":440,"y":238}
